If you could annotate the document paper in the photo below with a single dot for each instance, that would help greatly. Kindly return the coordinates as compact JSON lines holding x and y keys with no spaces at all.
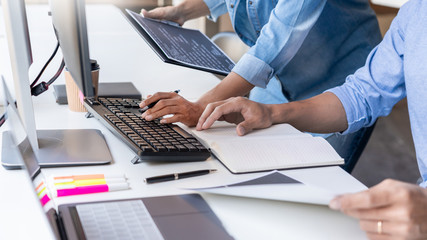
{"x":278,"y":147}
{"x":274,"y":186}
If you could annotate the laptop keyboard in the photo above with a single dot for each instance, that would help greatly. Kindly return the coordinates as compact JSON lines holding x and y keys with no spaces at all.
{"x":117,"y":220}
{"x":168,"y":141}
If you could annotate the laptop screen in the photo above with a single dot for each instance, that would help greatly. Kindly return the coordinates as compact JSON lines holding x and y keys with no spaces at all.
{"x":21,"y":148}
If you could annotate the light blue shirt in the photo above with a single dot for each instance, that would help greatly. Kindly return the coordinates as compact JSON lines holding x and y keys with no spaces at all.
{"x":310,"y":45}
{"x":396,"y":68}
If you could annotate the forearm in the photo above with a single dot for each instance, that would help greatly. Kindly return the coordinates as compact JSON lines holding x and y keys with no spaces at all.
{"x":320,"y":114}
{"x":191,"y":9}
{"x":231,"y":86}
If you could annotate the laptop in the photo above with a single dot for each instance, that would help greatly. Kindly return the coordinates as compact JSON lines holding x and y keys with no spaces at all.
{"x":167,"y":217}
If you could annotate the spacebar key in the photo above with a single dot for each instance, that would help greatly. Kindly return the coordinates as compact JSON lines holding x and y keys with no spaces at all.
{"x":182,"y":132}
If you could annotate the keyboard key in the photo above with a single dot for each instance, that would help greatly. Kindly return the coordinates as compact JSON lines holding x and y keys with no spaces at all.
{"x":117,"y":220}
{"x":191,"y":147}
{"x":147,"y":149}
{"x":161,"y":149}
{"x":172,"y":148}
{"x":181,"y":148}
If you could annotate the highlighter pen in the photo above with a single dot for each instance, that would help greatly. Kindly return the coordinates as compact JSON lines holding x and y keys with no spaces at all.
{"x":86,"y":177}
{"x":91,"y":189}
{"x":80,"y":183}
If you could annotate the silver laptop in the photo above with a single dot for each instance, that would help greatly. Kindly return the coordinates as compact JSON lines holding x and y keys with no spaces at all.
{"x":167,"y":217}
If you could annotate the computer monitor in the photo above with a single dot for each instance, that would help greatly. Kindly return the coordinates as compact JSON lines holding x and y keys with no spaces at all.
{"x":67,"y":147}
{"x":69,"y":21}
{"x":20,"y":58}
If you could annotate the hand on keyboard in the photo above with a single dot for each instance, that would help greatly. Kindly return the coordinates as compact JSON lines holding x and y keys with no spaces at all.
{"x":168,"y":142}
{"x":171,"y":103}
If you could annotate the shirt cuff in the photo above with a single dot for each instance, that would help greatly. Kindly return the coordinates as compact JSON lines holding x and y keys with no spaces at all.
{"x":216,"y":9}
{"x":354,"y":123}
{"x":254,"y":70}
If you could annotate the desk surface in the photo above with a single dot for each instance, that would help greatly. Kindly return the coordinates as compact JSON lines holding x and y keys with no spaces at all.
{"x":390,"y":3}
{"x":124,"y":56}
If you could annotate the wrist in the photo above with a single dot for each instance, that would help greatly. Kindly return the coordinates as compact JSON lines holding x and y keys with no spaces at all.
{"x":191,"y":9}
{"x":201,"y":103}
{"x":277,"y":113}
{"x":182,"y":10}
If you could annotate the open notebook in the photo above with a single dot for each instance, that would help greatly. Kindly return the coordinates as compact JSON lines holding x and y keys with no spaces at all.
{"x":279,"y":147}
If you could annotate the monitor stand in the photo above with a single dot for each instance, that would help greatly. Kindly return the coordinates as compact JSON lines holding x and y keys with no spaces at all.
{"x":61,"y":148}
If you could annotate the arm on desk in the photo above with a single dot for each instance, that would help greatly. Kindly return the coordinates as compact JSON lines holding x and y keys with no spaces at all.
{"x":323,"y":113}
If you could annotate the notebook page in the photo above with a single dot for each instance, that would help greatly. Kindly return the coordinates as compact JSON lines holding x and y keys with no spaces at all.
{"x":224,"y":132}
{"x":250,"y":155}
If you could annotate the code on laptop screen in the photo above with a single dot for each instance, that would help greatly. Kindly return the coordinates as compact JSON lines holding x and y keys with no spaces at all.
{"x":187,"y":46}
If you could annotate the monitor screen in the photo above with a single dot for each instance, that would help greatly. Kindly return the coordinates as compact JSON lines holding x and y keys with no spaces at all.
{"x":69,"y":21}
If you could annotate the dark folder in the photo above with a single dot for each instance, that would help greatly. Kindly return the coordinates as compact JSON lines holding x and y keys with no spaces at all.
{"x":107,"y":89}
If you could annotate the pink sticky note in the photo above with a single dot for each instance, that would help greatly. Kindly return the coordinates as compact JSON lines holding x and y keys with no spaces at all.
{"x":45,"y":199}
{"x":81,"y":96}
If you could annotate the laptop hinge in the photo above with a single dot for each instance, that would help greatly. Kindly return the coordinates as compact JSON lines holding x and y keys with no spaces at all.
{"x":56,"y":223}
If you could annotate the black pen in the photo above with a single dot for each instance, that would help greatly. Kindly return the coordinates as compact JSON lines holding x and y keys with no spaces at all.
{"x":176,"y":176}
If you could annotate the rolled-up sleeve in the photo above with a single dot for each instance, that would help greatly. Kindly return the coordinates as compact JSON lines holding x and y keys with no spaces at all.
{"x":216,"y":8}
{"x":279,"y":40}
{"x":374,"y":89}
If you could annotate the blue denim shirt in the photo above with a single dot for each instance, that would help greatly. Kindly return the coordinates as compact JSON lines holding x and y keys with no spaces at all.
{"x":309,"y":46}
{"x":396,"y":68}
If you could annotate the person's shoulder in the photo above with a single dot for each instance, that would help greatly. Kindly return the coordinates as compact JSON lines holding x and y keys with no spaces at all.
{"x":411,"y":12}
{"x":413,"y":7}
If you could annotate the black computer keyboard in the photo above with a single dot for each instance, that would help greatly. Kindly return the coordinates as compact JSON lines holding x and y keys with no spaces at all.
{"x":151,"y":140}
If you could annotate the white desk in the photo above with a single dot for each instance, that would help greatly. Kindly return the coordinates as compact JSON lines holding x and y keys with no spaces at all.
{"x":389,"y":3}
{"x":124,"y":56}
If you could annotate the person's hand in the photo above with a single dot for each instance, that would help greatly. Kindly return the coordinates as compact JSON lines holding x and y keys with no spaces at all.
{"x":247,"y":114}
{"x":171,"y":103}
{"x":389,"y":210}
{"x":170,"y":13}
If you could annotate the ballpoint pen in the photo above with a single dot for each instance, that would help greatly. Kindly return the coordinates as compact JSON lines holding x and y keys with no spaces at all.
{"x":176,"y":176}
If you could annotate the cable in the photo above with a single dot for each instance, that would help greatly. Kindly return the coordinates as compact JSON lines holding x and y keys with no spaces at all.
{"x":43,"y":86}
{"x":61,"y":67}
{"x":45,"y":66}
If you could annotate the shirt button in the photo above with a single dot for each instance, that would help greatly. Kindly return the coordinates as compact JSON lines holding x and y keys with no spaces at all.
{"x":250,"y":2}
{"x":232,"y":5}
